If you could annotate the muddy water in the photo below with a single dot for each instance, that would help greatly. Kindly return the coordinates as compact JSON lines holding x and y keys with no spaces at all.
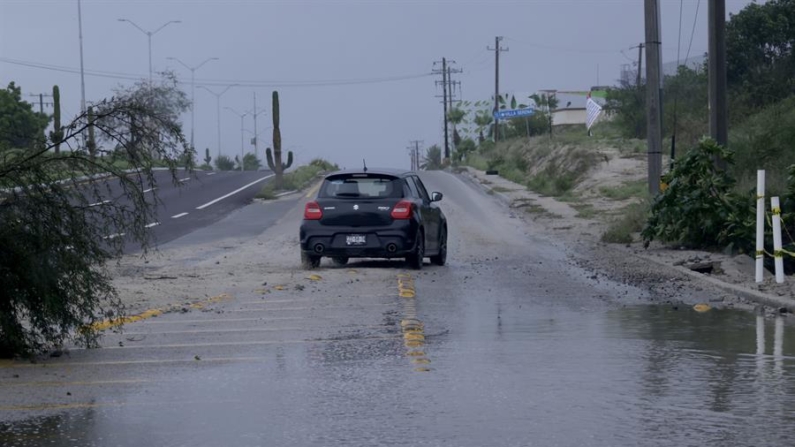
{"x":641,"y":375}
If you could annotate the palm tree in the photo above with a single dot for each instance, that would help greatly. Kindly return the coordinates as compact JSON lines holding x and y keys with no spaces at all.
{"x":455,"y":117}
{"x":432,"y":159}
{"x":483,"y":120}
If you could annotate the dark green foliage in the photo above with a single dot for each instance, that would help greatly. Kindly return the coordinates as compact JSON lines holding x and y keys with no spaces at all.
{"x":698,"y":205}
{"x":432,"y":159}
{"x":684,"y":93}
{"x":463,"y":149}
{"x":274,"y":158}
{"x":759,"y":51}
{"x":207,"y":158}
{"x":56,"y":136}
{"x":54,"y":246}
{"x":765,"y":141}
{"x":324,"y":165}
{"x":224,"y":163}
{"x":20,"y":126}
{"x":251,"y":162}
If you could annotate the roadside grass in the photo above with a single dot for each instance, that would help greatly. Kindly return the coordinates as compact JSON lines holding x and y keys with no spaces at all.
{"x":297,"y":179}
{"x":584,"y":210}
{"x":625,"y":191}
{"x":632,"y":219}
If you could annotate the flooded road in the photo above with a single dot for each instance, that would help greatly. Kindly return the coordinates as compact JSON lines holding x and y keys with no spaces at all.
{"x":509,"y":345}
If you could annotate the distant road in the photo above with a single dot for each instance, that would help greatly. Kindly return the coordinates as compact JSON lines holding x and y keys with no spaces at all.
{"x":198,"y":200}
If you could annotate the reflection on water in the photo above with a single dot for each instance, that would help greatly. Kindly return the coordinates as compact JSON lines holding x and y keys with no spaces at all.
{"x":646,"y":375}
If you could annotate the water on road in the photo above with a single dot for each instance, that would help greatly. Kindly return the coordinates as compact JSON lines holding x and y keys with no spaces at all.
{"x":508,"y":345}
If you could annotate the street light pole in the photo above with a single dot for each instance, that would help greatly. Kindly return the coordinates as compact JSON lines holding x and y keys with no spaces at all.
{"x":82,"y":70}
{"x":242,"y":129}
{"x":149,"y":35}
{"x":192,"y":92}
{"x":218,"y":110}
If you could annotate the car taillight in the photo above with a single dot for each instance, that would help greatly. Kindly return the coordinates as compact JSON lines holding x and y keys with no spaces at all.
{"x":312,"y":211}
{"x":402,"y":210}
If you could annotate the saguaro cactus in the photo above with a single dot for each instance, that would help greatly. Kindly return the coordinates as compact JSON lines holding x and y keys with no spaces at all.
{"x":275,"y":158}
{"x":91,"y":144}
{"x":57,"y":133}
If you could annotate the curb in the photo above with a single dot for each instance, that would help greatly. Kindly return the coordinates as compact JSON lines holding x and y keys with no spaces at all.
{"x":766,"y":299}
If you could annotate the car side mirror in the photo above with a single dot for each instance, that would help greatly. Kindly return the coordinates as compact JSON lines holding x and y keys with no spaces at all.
{"x":436,"y":197}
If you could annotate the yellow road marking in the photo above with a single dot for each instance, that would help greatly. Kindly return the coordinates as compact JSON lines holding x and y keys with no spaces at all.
{"x":313,"y":191}
{"x":107,"y":324}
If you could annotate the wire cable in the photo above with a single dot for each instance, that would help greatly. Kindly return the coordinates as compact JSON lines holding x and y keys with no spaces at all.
{"x":220,"y":82}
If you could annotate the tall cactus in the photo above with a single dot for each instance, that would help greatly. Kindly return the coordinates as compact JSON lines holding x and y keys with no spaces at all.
{"x":56,"y":136}
{"x":91,"y":144}
{"x":275,"y":158}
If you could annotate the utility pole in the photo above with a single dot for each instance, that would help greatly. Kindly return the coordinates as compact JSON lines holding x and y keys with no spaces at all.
{"x":653,"y":94}
{"x":718,"y":113}
{"x":82,"y":71}
{"x":414,"y":151}
{"x":41,"y":100}
{"x":451,"y":93}
{"x":640,"y":64}
{"x":443,"y":83}
{"x":497,"y":50}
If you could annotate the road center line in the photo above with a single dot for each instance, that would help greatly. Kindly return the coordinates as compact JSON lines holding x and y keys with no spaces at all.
{"x":177,"y":216}
{"x":150,"y":190}
{"x":211,"y":173}
{"x":183,"y":180}
{"x":114,"y":236}
{"x":153,"y":224}
{"x":233,"y":192}
{"x":104,"y":202}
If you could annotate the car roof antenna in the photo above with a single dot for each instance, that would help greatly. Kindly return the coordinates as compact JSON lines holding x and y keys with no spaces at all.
{"x":365,"y":164}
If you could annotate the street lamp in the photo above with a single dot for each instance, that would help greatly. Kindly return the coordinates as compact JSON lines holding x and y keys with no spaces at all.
{"x":192,"y":91}
{"x":149,"y":34}
{"x":242,"y":128}
{"x":218,"y":110}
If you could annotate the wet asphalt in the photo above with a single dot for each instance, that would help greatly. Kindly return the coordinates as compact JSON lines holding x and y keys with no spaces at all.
{"x":510,"y":344}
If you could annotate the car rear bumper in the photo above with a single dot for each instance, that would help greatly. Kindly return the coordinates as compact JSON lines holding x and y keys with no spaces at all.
{"x":393,"y":241}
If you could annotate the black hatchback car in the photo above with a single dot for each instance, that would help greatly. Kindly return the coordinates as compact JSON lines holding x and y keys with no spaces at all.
{"x":373,"y":214}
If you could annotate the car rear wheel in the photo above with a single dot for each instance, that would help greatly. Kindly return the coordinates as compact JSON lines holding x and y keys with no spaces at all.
{"x":309,"y":261}
{"x":339,"y":261}
{"x":441,"y":258}
{"x":417,"y":256}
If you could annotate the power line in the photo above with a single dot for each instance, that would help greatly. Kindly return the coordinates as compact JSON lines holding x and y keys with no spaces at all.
{"x":222,"y":82}
{"x":693,"y":31}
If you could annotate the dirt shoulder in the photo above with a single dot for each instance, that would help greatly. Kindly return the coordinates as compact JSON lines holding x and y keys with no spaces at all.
{"x":665,"y":271}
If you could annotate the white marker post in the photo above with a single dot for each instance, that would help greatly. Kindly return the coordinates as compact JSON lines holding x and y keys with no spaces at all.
{"x":777,"y":253}
{"x":760,"y":225}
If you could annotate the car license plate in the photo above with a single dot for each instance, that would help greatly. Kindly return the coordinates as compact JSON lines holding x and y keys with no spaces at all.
{"x":355,"y":239}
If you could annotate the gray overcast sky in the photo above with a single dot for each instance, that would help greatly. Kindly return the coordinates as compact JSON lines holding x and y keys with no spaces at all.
{"x":553,"y":44}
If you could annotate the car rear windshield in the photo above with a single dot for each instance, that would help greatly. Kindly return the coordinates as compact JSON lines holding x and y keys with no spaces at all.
{"x":361,"y":186}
